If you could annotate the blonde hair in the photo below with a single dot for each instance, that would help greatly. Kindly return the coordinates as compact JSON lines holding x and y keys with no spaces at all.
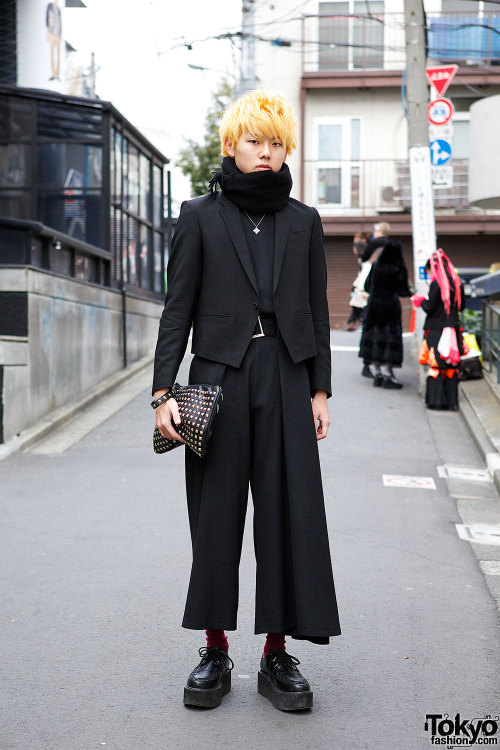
{"x":383,"y":227}
{"x":261,"y":113}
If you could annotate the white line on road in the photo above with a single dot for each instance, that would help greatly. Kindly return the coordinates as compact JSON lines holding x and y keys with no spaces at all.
{"x":479,"y":533}
{"x":399,"y":480}
{"x":463,"y":472}
{"x":344,"y":348}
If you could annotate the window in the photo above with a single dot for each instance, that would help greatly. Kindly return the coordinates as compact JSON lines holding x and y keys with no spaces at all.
{"x":347,"y":40}
{"x":145,"y":188}
{"x":69,"y":165}
{"x":337,"y":167}
{"x":460,"y":143}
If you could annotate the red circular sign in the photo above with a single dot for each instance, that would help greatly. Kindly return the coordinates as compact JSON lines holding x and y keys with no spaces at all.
{"x":440,"y":111}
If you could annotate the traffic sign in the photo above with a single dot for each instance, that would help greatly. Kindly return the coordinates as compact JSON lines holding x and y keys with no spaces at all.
{"x":440,"y":111}
{"x":441,"y":77}
{"x":442,"y":177}
{"x":445,"y":132}
{"x":440,"y":152}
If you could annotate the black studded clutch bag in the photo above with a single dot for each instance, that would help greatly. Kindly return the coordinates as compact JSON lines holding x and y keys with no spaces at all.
{"x":198,"y":405}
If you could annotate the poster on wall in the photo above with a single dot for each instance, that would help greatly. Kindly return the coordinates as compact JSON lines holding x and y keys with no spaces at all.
{"x":42,"y":47}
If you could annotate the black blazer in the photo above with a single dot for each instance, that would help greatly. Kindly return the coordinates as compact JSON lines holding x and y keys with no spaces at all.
{"x":212,"y":287}
{"x":434,"y":307}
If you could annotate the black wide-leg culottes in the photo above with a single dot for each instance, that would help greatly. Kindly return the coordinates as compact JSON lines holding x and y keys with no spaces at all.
{"x":264,"y":436}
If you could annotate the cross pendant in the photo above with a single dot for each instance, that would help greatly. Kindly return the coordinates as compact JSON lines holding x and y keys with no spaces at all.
{"x":256,"y":230}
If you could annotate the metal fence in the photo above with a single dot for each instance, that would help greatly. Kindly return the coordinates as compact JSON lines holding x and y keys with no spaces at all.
{"x":31,"y":243}
{"x":376,"y":41}
{"x":490,"y":337}
{"x":376,"y":185}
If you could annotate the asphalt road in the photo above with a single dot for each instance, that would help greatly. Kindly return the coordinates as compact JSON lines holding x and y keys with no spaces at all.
{"x":95,"y":560}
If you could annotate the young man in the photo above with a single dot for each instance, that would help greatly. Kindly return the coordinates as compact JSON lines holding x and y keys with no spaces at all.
{"x":247,"y":270}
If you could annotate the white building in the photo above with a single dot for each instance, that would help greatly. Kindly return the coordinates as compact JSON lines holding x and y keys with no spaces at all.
{"x":343,"y":72}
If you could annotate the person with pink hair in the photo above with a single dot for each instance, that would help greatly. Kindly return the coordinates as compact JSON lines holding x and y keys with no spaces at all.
{"x":442,"y":345}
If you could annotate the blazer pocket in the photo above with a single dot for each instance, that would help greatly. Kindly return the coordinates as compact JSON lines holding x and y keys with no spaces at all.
{"x":211,"y":315}
{"x":304,"y":312}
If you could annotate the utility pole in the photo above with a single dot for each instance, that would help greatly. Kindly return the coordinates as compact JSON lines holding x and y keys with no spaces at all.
{"x":248,"y":80}
{"x":422,"y":201}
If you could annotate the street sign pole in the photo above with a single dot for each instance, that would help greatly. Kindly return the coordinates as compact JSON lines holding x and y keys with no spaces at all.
{"x":422,"y":204}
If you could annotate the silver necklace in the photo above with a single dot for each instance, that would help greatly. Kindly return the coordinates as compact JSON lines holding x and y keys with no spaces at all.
{"x":256,"y":230}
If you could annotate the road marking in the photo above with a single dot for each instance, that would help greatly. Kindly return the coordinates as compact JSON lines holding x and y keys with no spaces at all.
{"x":244,"y":676}
{"x":344,"y":348}
{"x":399,"y":480}
{"x":462,"y":472}
{"x":479,"y":533}
{"x":490,"y":567}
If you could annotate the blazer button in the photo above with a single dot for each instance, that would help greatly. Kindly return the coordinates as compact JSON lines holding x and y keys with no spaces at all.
{"x":255,"y":306}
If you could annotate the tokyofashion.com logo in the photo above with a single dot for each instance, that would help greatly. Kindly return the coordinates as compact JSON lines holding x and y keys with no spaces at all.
{"x":458,"y":732}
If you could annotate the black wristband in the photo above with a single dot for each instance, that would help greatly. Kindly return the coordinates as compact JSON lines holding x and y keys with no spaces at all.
{"x":162,"y":399}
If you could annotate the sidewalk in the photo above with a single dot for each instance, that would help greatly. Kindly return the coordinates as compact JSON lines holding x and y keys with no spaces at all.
{"x":95,"y":562}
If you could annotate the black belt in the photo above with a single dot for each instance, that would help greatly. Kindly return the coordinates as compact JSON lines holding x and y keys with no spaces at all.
{"x":266,"y":325}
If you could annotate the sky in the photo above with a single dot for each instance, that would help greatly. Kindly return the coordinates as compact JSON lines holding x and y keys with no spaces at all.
{"x":143,"y":64}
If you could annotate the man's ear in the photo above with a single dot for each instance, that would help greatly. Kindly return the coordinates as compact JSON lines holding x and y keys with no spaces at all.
{"x":229,"y":147}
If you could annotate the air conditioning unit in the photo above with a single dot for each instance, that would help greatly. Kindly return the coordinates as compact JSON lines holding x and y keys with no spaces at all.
{"x":388,"y":200}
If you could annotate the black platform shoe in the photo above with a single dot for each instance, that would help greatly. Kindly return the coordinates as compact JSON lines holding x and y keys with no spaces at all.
{"x":210,"y":680}
{"x":281,"y":682}
{"x":366,"y":372}
{"x":378,"y":380}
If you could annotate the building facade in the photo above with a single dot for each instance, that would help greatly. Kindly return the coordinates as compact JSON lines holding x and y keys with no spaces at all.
{"x":342,"y":65}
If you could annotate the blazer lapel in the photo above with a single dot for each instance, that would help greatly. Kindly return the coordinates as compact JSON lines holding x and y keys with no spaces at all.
{"x":232,"y":219}
{"x":283,"y":223}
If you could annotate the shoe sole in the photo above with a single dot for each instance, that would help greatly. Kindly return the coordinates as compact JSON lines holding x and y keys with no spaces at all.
{"x":281,"y":700}
{"x":210,"y":698}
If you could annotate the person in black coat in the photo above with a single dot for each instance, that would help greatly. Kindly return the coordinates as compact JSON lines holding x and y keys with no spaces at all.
{"x":440,"y":352}
{"x":382,"y":338}
{"x":247,"y":273}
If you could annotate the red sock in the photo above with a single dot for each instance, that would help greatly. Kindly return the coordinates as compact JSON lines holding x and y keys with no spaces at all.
{"x":274,"y":642}
{"x":217,"y":638}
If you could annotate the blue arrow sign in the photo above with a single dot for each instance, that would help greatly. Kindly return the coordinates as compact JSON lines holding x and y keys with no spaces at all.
{"x":440,"y":152}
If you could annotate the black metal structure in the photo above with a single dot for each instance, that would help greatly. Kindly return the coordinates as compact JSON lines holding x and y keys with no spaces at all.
{"x":85,"y":186}
{"x":8,"y":45}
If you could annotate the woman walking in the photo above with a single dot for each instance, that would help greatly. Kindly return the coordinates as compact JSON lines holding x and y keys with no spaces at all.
{"x":382,"y":338}
{"x":442,"y":345}
{"x":359,"y":297}
{"x":247,"y":270}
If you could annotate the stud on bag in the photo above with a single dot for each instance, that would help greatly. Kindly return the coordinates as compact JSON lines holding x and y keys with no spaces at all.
{"x":198,"y":405}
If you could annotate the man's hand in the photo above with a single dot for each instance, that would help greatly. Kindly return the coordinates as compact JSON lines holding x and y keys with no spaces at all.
{"x":320,"y":414}
{"x":166,"y":416}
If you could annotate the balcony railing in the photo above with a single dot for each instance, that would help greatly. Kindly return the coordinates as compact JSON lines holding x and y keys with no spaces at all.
{"x":376,"y":186}
{"x":343,"y":42}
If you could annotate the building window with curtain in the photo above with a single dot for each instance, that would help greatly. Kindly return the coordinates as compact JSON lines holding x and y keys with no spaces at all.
{"x":337,"y":166}
{"x":351,"y":35}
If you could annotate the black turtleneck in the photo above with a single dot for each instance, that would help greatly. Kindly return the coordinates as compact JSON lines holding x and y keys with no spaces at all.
{"x":261,"y":248}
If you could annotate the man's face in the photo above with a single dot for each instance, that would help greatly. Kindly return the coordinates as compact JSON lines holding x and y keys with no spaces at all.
{"x":257,"y":153}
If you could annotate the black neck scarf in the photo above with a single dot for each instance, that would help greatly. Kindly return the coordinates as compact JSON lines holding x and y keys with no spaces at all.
{"x":258,"y":192}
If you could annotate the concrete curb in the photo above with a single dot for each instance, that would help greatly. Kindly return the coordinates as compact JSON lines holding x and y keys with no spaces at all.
{"x":480,"y":437}
{"x":60,"y":416}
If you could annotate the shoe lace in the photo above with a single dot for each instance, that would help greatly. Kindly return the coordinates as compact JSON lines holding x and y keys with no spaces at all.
{"x":285,"y":658}
{"x":214,"y":653}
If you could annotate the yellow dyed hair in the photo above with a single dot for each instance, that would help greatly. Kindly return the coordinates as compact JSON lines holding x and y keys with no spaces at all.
{"x":261,"y":113}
